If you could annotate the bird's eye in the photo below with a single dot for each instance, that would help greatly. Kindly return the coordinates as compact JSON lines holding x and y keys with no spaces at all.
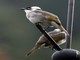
{"x":28,"y":8}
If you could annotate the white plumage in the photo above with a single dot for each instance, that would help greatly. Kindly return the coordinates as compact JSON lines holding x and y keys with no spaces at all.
{"x":36,"y":15}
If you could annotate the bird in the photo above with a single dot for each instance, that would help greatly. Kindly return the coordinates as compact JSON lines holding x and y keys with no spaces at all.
{"x":46,"y":19}
{"x":58,"y":36}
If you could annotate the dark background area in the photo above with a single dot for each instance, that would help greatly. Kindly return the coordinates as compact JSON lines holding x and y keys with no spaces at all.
{"x":18,"y":35}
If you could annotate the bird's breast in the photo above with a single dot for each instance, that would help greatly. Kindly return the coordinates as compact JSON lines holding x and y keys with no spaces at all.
{"x":35,"y":17}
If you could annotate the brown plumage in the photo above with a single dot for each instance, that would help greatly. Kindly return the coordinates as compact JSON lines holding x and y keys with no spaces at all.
{"x":58,"y":35}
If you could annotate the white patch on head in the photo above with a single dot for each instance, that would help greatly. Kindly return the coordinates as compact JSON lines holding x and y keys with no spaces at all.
{"x":35,"y":8}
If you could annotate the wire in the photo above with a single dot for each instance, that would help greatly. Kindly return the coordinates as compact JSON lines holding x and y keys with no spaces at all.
{"x":70,"y":17}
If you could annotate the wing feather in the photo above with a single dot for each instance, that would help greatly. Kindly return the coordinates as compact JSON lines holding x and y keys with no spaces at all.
{"x":49,"y":16}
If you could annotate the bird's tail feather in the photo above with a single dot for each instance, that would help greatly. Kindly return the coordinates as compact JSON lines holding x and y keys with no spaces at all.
{"x":34,"y":49}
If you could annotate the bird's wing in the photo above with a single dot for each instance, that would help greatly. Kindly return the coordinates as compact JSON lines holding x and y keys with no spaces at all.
{"x":50,"y":16}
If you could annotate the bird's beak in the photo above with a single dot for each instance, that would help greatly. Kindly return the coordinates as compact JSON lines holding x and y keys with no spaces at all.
{"x":22,"y":9}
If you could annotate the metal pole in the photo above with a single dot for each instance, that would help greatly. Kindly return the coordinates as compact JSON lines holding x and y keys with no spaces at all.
{"x":70,"y":17}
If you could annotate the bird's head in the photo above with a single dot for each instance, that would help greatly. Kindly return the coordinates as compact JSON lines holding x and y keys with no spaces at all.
{"x":29,"y":9}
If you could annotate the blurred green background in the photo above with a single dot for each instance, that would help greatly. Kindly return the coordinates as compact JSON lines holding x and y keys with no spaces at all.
{"x":18,"y":35}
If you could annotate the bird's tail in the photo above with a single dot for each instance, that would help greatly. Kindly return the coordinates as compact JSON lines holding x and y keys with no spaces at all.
{"x":34,"y":49}
{"x":63,"y":29}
